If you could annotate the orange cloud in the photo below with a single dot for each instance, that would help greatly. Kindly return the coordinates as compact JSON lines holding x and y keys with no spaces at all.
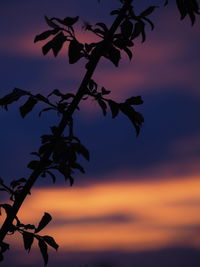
{"x":159,"y":214}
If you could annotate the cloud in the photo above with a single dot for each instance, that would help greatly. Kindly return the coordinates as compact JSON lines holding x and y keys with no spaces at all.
{"x":155,"y":220}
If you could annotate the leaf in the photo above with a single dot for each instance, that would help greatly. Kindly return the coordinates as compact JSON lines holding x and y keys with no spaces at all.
{"x":28,"y":240}
{"x":139,"y":29}
{"x":43,"y":222}
{"x":68,"y":21}
{"x":114,"y":12}
{"x":103,"y":26}
{"x":28,"y":106}
{"x":71,"y":180}
{"x":12,"y":97}
{"x":114,"y":55}
{"x":50,"y":22}
{"x":80,"y":149}
{"x":50,"y":241}
{"x":128,"y":52}
{"x":182,"y":8}
{"x":134,"y":100}
{"x":29,"y":226}
{"x":78,"y":167}
{"x":74,"y":51}
{"x":43,"y":249}
{"x":15,"y":183}
{"x":166,"y":3}
{"x":33,"y":164}
{"x":55,"y":92}
{"x":126,"y":28}
{"x":52,"y":176}
{"x":45,"y":35}
{"x":150,"y":22}
{"x":135,"y":117}
{"x":114,"y":107}
{"x":148,"y":11}
{"x":44,"y":110}
{"x":42,"y":98}
{"x":104,"y":91}
{"x":55,"y":44}
{"x":103,"y":106}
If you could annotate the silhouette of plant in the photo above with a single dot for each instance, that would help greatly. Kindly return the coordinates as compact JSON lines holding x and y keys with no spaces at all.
{"x":60,"y":149}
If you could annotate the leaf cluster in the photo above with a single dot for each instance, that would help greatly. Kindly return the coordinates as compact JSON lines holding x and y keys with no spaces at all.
{"x":29,"y":233}
{"x":125,"y":107}
{"x":14,"y":189}
{"x":64,"y":154}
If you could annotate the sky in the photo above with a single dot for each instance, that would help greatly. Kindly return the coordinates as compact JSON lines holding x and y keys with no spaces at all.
{"x":138,"y":202}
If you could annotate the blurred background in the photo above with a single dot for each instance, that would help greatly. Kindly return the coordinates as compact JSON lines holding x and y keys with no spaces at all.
{"x":138,"y":203}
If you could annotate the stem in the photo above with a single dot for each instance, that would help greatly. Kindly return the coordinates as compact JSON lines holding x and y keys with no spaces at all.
{"x":65,"y":118}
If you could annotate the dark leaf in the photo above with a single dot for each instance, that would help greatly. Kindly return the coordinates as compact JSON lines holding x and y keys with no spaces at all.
{"x":29,"y":226}
{"x":103,"y":26}
{"x":166,"y":3}
{"x":33,"y":164}
{"x":150,"y":22}
{"x":192,"y":17}
{"x":104,"y":91}
{"x":71,"y":180}
{"x":44,"y":110}
{"x":28,"y":240}
{"x":50,"y":22}
{"x":45,"y":35}
{"x":28,"y":106}
{"x":182,"y":8}
{"x":134,"y":100}
{"x":78,"y":167}
{"x":12,"y":97}
{"x":128,"y":52}
{"x":67,"y":96}
{"x":126,"y":28}
{"x":148,"y":11}
{"x":55,"y":92}
{"x":15,"y":183}
{"x":52,"y":176}
{"x":114,"y":107}
{"x":50,"y":241}
{"x":80,"y":149}
{"x":114,"y":12}
{"x":135,"y":117}
{"x":139,"y":29}
{"x":103,"y":106}
{"x":68,"y":21}
{"x":42,"y":98}
{"x":44,"y":148}
{"x":43,"y":249}
{"x":74,"y":51}
{"x":92,"y":85}
{"x":114,"y":55}
{"x":43,"y":222}
{"x":102,"y":33}
{"x":55,"y":44}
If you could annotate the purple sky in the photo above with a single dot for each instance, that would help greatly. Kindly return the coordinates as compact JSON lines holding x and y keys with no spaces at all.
{"x":165,"y":71}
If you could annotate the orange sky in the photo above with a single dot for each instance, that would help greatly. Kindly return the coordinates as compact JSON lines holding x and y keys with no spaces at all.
{"x":130,"y":216}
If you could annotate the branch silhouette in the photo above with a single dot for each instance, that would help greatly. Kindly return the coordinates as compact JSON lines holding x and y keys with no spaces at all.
{"x":57,"y":151}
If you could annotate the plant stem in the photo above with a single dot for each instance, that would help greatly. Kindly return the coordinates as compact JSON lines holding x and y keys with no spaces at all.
{"x":64,"y":121}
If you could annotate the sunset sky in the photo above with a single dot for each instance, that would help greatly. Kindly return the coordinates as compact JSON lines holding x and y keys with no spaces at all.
{"x":139,"y":202}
